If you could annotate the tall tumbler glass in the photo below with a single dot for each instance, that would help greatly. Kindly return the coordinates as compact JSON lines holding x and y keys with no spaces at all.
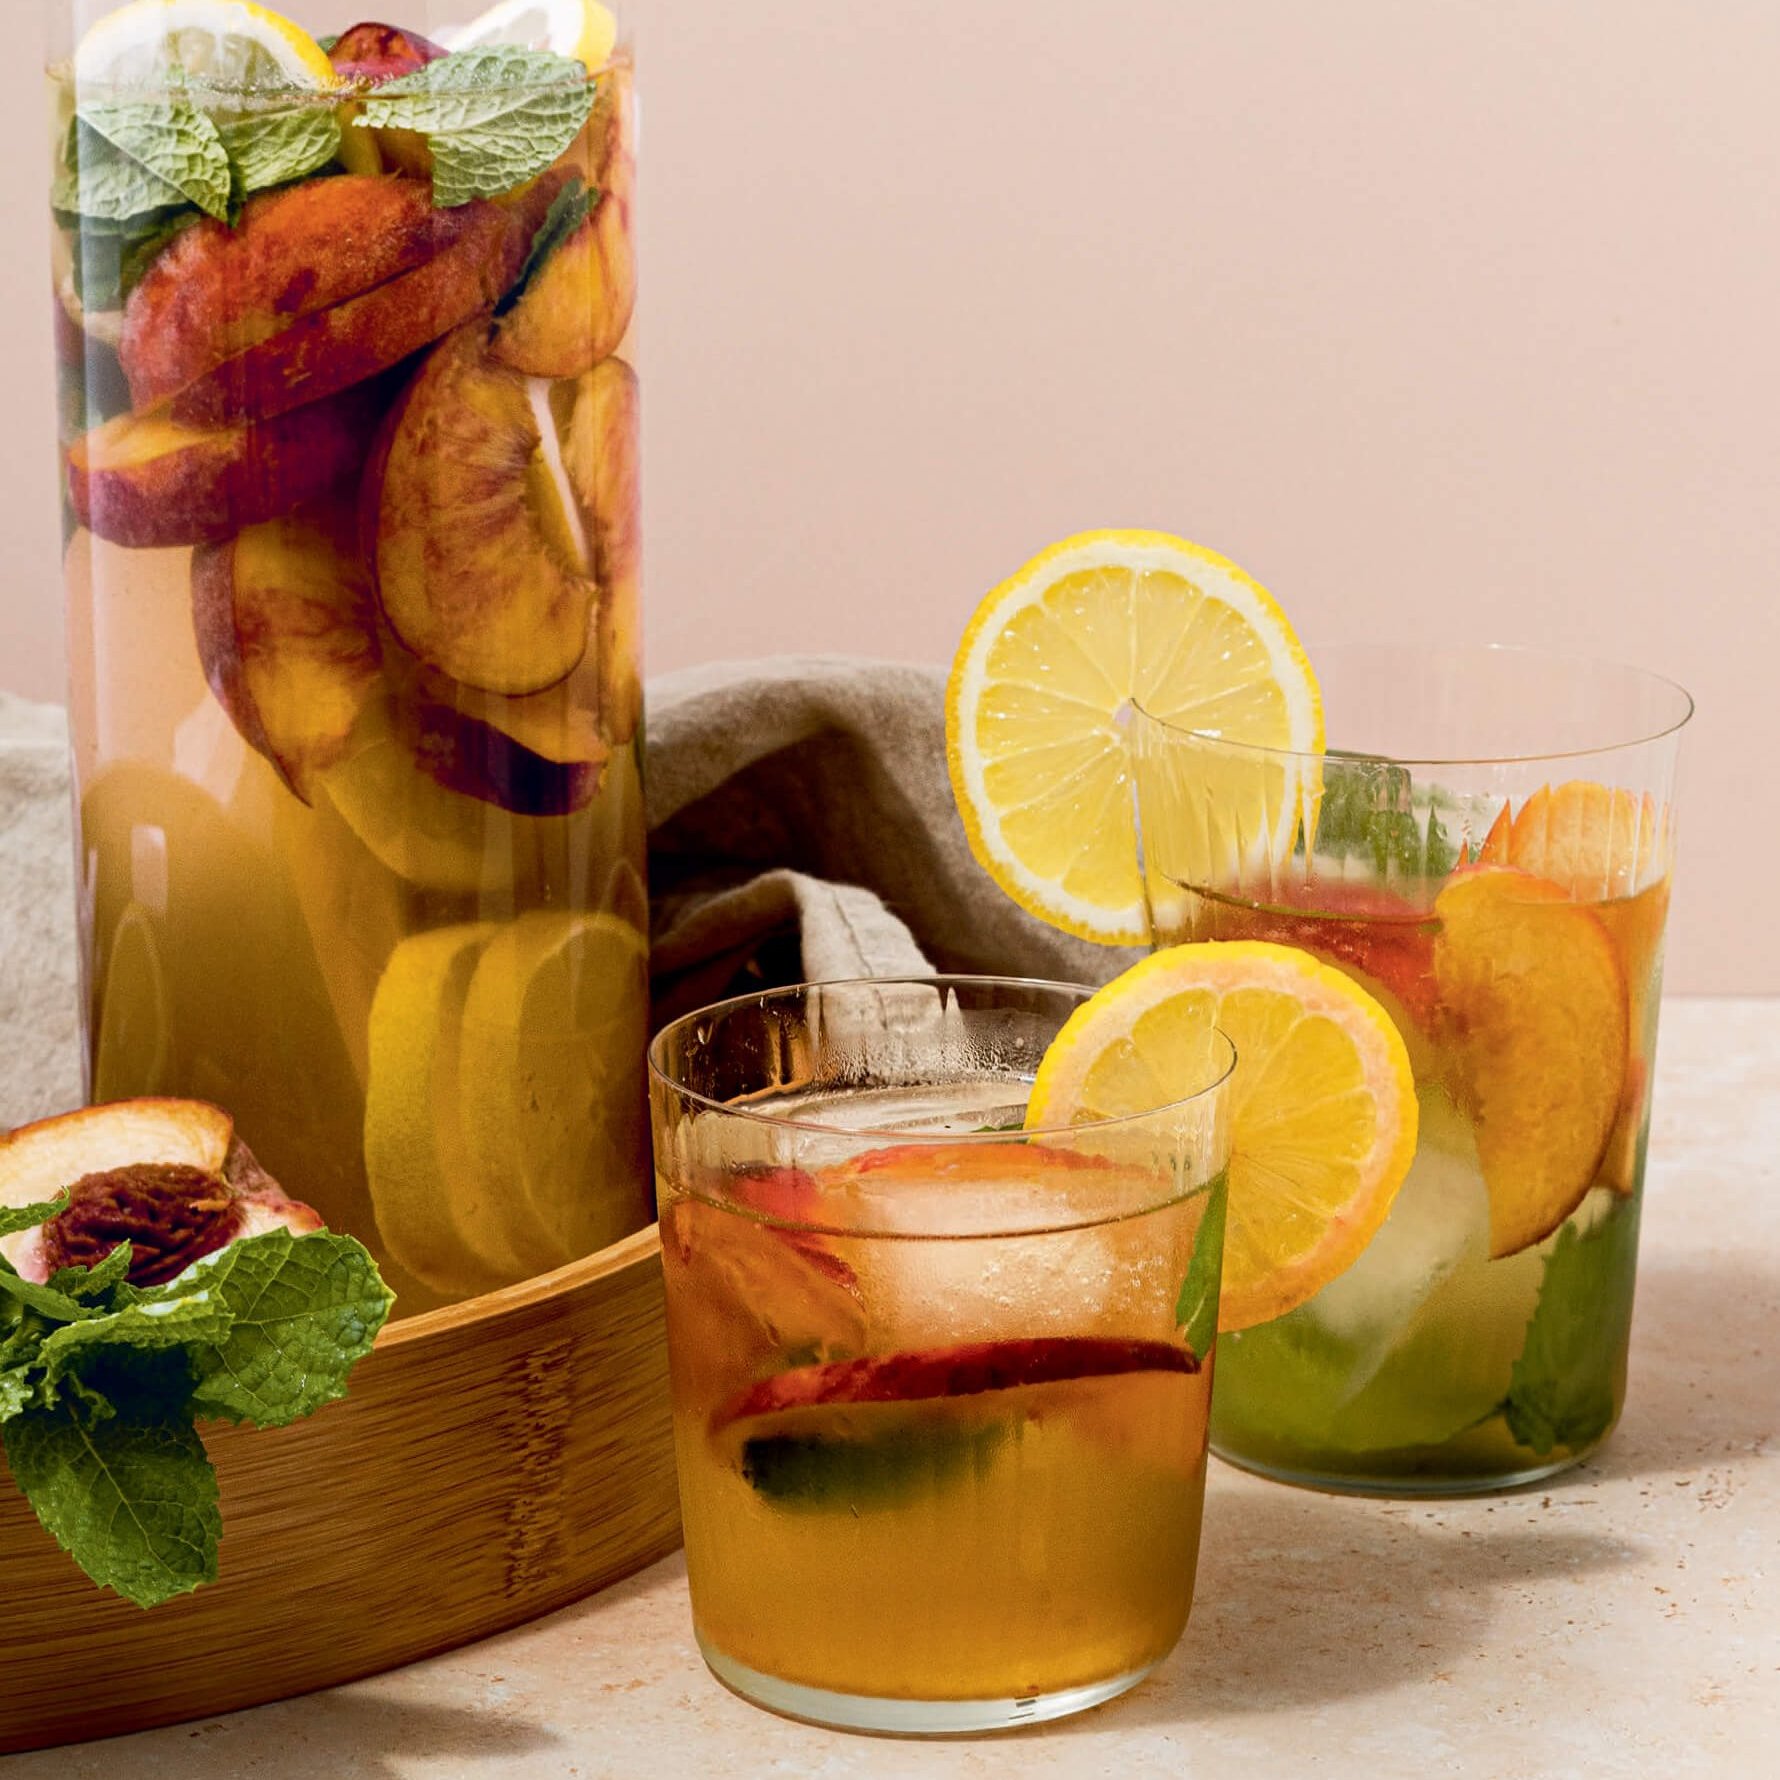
{"x":349,"y":441}
{"x":941,"y":1431}
{"x":1486,"y":847}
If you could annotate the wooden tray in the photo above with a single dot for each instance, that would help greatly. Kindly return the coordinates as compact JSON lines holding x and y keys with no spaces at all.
{"x":495,"y":1461}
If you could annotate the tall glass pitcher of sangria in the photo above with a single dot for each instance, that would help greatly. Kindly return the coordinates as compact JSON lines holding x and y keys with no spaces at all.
{"x":348,"y":428}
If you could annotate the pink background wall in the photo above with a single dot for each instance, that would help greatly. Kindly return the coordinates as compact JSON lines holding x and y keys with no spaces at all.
{"x":1443,"y":319}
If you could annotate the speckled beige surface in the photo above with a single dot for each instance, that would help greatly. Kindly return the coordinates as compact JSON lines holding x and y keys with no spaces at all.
{"x":1624,"y":1621}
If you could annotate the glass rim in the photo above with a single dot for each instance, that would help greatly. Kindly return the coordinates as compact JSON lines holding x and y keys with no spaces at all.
{"x":1528,"y":652}
{"x":760,"y":998}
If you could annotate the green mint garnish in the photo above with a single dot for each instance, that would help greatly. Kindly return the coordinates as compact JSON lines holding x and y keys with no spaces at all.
{"x":122,"y":160}
{"x":569,"y":209}
{"x":495,"y":117}
{"x":15,"y":1220}
{"x":275,"y":148}
{"x":1561,"y":1390}
{"x":1369,"y":809}
{"x":1197,"y":1311}
{"x":101,"y":1385}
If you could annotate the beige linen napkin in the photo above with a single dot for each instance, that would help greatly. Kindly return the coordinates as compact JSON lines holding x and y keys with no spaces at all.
{"x":802,"y":826}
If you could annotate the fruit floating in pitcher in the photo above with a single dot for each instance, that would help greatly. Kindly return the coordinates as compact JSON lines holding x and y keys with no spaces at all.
{"x":351,"y":463}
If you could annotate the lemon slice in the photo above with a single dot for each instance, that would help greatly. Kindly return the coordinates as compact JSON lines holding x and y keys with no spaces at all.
{"x":436,"y":1215}
{"x":580,"y":28}
{"x":231,"y":44}
{"x":551,"y":1075}
{"x":1040,"y":691}
{"x":1323,"y":1111}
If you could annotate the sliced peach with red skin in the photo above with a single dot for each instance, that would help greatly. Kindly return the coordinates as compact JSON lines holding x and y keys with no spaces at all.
{"x":149,"y":483}
{"x":1534,"y":1000}
{"x":467,"y":524}
{"x":286,"y":633}
{"x":967,"y":1369}
{"x":603,"y":453}
{"x":578,"y":306}
{"x":320,"y":286}
{"x":485,"y":760}
{"x":367,"y":56}
{"x":171,"y":1177}
{"x":1594,"y":841}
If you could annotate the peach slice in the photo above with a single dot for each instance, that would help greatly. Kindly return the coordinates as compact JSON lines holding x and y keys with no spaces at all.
{"x":486,"y":760}
{"x":578,"y":306}
{"x":367,"y":56}
{"x":1535,"y":999}
{"x":149,"y":483}
{"x":320,"y":286}
{"x":480,"y":564}
{"x":286,"y":632}
{"x":170,"y":1177}
{"x":1594,"y":842}
{"x":603,"y":454}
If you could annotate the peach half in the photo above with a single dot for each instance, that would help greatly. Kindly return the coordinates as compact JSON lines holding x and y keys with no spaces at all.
{"x":320,"y":286}
{"x":479,"y":550}
{"x":170,"y":1177}
{"x":286,"y":633}
{"x":149,"y":483}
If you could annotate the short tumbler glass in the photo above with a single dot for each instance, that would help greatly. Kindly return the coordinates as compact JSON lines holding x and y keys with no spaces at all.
{"x":941,"y":1438}
{"x":1492,"y":834}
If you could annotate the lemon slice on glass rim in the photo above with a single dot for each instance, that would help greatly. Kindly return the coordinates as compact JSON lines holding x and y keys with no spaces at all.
{"x":580,"y":28}
{"x":233,"y":45}
{"x":1040,"y":697}
{"x":1323,"y":1111}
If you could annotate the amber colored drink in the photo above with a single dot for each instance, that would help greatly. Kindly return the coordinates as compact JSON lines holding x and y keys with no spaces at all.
{"x":941,"y":1438}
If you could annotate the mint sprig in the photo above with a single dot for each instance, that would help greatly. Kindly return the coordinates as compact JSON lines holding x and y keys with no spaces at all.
{"x":102,"y":1384}
{"x":494,"y":117}
{"x":1196,"y":1312}
{"x":1561,"y":1390}
{"x":1369,"y":809}
{"x":123,"y":159}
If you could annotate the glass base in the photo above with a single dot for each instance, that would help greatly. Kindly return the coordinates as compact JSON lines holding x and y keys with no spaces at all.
{"x":1359,"y":1483}
{"x":907,"y":1718}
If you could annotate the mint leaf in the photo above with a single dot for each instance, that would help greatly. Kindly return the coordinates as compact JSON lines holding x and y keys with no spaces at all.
{"x":569,"y":209}
{"x":15,"y":1219}
{"x":96,"y":1285}
{"x":132,"y":1499}
{"x":124,"y":159}
{"x":495,"y":117}
{"x":201,"y":1317}
{"x":1562,"y":1387}
{"x":304,"y":1311}
{"x":45,"y":1300}
{"x":18,"y":1391}
{"x":1369,"y":809}
{"x":1197,"y":1310}
{"x":275,"y":148}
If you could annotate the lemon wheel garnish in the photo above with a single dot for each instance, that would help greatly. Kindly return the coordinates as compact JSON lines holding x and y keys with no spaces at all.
{"x":1323,"y":1111}
{"x":1039,"y":698}
{"x":231,"y":44}
{"x":580,"y":28}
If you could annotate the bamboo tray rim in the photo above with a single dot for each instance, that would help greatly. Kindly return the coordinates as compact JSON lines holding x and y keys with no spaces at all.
{"x":493,"y":1306}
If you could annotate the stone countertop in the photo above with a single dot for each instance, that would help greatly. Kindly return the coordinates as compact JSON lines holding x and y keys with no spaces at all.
{"x":1623,"y":1620}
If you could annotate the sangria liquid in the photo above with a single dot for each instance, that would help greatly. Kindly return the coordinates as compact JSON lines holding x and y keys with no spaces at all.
{"x":352,"y":571}
{"x":962,"y":1468}
{"x":1429,"y":1363}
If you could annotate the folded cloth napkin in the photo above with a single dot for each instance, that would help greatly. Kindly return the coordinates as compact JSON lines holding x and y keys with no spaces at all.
{"x":801,"y":828}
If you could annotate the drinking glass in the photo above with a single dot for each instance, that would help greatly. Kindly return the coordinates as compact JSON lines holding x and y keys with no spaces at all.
{"x":352,"y":565}
{"x":1487,"y":847}
{"x":941,"y":1437}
